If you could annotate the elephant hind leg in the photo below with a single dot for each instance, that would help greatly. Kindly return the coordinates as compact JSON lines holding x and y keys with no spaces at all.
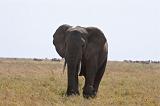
{"x":98,"y":76}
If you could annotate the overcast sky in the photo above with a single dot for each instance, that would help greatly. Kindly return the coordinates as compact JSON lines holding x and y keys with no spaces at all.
{"x":132,"y":27}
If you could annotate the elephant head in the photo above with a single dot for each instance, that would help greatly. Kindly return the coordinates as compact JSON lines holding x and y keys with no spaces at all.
{"x":75,"y":44}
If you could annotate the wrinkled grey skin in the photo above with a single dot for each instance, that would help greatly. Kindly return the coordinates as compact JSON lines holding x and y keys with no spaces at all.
{"x":86,"y":46}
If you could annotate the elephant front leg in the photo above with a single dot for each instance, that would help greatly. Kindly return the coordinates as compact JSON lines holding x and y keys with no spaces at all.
{"x":72,"y":88}
{"x":91,"y":69}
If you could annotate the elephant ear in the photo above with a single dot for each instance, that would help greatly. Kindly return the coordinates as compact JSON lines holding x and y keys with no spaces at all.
{"x":59,"y":39}
{"x":95,"y":39}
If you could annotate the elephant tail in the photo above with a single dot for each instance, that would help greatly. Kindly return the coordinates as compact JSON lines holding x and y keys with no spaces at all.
{"x":64,"y":66}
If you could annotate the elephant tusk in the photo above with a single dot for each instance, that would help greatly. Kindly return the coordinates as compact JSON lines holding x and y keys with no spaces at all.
{"x":79,"y":68}
{"x":64,"y":66}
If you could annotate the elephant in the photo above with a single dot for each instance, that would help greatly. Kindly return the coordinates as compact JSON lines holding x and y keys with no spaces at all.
{"x":85,"y":50}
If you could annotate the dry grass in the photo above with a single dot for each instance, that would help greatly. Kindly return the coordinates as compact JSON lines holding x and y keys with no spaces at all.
{"x":33,"y":83}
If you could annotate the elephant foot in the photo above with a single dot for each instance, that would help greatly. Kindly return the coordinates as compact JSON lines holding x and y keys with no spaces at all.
{"x":88,"y":92}
{"x":72,"y":93}
{"x":88,"y":96}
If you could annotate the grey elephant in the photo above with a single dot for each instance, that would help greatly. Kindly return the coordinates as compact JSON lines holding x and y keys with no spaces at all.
{"x":85,"y":50}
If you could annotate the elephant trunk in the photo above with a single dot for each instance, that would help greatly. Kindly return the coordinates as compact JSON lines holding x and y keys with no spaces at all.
{"x":79,"y":66}
{"x":73,"y":57}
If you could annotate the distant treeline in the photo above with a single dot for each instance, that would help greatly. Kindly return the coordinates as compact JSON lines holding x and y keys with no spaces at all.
{"x":143,"y":62}
{"x":53,"y":59}
{"x":34,"y":59}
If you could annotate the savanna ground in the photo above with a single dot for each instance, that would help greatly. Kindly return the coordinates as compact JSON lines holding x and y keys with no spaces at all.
{"x":24,"y":82}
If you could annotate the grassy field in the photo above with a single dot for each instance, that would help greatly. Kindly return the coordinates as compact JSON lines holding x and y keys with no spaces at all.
{"x":25,"y":82}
